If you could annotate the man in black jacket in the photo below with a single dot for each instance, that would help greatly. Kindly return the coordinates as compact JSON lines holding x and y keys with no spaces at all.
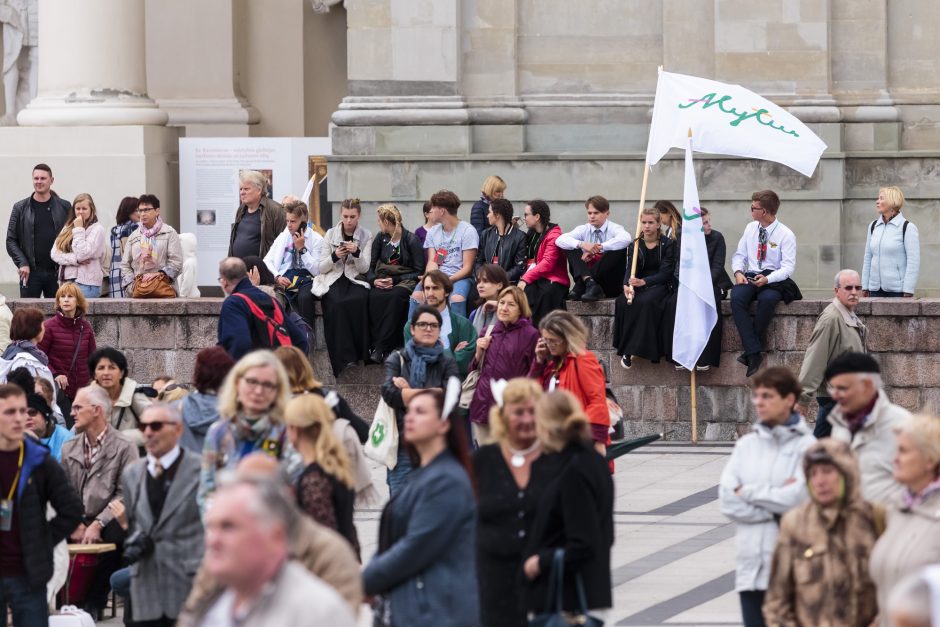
{"x":30,"y":479}
{"x":35,"y":222}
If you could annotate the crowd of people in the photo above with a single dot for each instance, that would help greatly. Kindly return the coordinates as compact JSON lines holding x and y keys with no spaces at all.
{"x":231,"y":497}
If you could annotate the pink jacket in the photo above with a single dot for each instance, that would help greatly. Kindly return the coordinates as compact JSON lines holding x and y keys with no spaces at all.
{"x":550,"y":262}
{"x":83,"y":264}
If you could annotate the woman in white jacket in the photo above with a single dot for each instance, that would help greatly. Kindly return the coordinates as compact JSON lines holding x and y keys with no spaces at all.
{"x":892,"y":249}
{"x":762,"y":481}
{"x":345,"y":256}
{"x":294,"y":258}
{"x":82,"y":249}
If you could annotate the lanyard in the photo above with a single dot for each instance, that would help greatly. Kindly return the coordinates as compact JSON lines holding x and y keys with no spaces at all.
{"x":16,"y":478}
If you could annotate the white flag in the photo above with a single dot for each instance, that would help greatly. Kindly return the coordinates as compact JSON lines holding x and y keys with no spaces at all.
{"x":728,"y":120}
{"x":696,"y":315}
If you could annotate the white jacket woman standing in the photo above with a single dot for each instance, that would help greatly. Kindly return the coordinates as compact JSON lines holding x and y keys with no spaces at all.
{"x":762,"y":481}
{"x":892,"y":249}
{"x":82,"y":249}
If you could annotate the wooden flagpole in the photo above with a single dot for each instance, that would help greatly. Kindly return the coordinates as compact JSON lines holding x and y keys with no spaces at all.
{"x":694,"y":411}
{"x":639,"y":220}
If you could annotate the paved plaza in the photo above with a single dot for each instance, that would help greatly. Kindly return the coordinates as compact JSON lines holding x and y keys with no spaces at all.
{"x":673,"y":557}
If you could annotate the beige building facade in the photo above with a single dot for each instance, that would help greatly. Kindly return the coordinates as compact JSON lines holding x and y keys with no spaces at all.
{"x":555,"y":96}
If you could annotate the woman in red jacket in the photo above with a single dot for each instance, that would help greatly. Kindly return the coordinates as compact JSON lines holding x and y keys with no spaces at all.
{"x":68,"y":341}
{"x":562,"y":361}
{"x":546,"y":277}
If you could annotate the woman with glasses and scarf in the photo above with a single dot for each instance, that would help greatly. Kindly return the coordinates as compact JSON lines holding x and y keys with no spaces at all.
{"x":251,"y":406}
{"x":422,"y":364}
{"x":153,"y":255}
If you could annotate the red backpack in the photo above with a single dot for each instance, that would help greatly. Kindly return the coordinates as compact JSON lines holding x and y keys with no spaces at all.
{"x":269,"y":330}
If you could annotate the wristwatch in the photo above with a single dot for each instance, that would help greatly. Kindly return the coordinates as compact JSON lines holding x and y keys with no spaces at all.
{"x":303,"y":251}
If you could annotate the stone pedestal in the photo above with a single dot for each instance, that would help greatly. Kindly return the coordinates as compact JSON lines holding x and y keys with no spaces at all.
{"x":100,"y":77}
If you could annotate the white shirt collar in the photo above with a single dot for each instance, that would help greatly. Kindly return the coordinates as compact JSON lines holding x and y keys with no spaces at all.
{"x":166,"y":461}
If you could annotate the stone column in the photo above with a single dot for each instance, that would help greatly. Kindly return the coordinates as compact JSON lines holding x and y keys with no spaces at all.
{"x":92,"y":69}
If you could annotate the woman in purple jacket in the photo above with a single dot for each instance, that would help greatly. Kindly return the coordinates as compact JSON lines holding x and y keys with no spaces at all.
{"x":505,"y":350}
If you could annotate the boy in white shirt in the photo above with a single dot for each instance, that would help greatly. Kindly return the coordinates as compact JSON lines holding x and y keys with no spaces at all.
{"x":596,"y":253}
{"x":762,"y":266}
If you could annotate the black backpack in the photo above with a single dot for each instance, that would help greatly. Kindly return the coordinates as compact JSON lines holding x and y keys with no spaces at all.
{"x":871,"y":229}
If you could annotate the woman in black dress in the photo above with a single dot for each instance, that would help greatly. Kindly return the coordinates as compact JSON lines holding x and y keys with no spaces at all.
{"x":324,"y":489}
{"x":398,"y":260}
{"x":345,"y":256}
{"x":638,"y":326}
{"x":511,"y":474}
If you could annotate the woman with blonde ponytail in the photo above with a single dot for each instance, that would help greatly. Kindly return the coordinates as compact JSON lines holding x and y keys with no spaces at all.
{"x":81,"y":248}
{"x":575,"y":512}
{"x":326,"y":488}
{"x":398,"y":260}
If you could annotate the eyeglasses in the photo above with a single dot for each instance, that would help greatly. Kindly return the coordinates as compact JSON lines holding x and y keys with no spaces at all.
{"x":267,"y":386}
{"x":756,"y":208}
{"x":145,"y":209}
{"x":851,"y":288}
{"x":428,"y":326}
{"x":153,"y":425}
{"x":553,"y":342}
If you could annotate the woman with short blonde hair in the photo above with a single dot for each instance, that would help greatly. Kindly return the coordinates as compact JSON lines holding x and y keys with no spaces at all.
{"x":325,"y":487}
{"x":575,"y":511}
{"x":892,"y":249}
{"x":511,"y":474}
{"x":493,"y":187}
{"x":82,"y":247}
{"x":251,"y":409}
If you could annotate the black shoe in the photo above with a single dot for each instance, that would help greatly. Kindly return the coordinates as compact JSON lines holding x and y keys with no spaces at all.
{"x":577,"y":292}
{"x":626,"y":362}
{"x":377,"y":357}
{"x":753,"y":364}
{"x":742,"y":359}
{"x":593,"y":293}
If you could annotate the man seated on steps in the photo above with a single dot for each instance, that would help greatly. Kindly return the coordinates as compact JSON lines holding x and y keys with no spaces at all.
{"x":597,"y":253}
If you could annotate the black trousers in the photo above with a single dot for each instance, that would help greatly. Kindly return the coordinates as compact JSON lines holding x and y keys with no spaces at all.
{"x":751,"y":603}
{"x":41,"y":284}
{"x":545,"y":296}
{"x":608,"y":272}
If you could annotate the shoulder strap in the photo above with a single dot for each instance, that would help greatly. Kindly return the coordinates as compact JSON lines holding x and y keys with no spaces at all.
{"x":78,"y":345}
{"x":871,"y":229}
{"x":904,"y":231}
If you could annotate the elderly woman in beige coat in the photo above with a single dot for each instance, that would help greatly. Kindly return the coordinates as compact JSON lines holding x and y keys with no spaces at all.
{"x":153,"y":256}
{"x":819,"y":574}
{"x":345,"y":256}
{"x":912,"y":537}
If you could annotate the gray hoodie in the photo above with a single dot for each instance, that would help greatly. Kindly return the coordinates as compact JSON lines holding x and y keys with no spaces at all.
{"x":199,"y":411}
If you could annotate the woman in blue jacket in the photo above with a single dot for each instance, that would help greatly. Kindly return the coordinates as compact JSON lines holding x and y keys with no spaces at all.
{"x":425,"y":566}
{"x":892,"y":249}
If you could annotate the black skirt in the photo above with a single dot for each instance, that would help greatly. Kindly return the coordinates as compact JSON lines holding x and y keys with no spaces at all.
{"x":345,"y":323}
{"x":388,"y":312}
{"x":638,"y":328}
{"x":545,"y":296}
{"x":711,"y":355}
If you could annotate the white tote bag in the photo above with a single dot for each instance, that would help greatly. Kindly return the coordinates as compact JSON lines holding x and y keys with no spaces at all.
{"x":382,"y":444}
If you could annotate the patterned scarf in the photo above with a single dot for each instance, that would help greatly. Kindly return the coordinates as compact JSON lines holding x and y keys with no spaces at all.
{"x":912,"y":500}
{"x":148,"y":241}
{"x":420,"y":357}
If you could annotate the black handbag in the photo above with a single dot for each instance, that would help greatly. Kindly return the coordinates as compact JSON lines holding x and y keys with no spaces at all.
{"x":557,"y":617}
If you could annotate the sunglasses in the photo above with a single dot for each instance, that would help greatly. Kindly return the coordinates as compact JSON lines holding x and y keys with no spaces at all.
{"x":153,"y":425}
{"x":852,"y":288}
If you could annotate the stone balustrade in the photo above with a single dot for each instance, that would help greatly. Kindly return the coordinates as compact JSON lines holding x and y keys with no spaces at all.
{"x":163,"y":337}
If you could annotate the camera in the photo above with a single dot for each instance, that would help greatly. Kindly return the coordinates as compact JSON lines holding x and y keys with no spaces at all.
{"x":137,"y":546}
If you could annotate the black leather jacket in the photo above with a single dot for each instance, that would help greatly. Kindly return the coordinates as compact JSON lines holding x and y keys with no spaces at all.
{"x":511,"y":251}
{"x":20,"y":243}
